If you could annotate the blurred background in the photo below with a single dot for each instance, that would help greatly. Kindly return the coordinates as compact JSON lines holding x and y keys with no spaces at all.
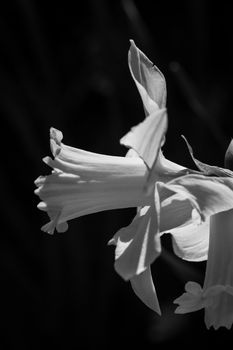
{"x":64,"y":64}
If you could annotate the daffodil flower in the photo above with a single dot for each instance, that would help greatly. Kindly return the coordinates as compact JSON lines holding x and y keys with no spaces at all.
{"x":216,"y":296}
{"x":168,"y":197}
{"x":83,"y":182}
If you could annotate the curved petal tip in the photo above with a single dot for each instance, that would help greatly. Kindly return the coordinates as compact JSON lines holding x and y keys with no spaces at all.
{"x":55,"y":141}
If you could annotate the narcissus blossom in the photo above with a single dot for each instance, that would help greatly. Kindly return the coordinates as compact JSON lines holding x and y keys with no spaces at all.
{"x":169,"y":198}
{"x":216,"y":296}
{"x":83,"y":182}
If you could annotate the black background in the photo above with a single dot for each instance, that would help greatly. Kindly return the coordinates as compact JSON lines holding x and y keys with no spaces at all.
{"x":64,"y":64}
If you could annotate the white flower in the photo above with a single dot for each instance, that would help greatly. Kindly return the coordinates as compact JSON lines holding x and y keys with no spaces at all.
{"x":168,"y":197}
{"x":83,"y":182}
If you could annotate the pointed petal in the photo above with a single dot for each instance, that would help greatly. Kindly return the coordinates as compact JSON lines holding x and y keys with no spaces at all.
{"x":228,"y":161}
{"x":138,"y":245}
{"x":179,"y":217}
{"x":148,"y":79}
{"x":176,"y":209}
{"x":208,"y":169}
{"x":143,"y":287}
{"x":170,"y":167}
{"x":124,"y":236}
{"x":191,"y":242}
{"x":56,"y":137}
{"x":209,"y":195}
{"x":146,"y":137}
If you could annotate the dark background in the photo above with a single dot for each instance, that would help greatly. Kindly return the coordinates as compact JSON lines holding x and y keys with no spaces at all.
{"x":64,"y":64}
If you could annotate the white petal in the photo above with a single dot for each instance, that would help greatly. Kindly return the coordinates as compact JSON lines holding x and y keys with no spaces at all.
{"x":143,"y":287}
{"x":176,"y":210}
{"x":208,"y":169}
{"x":179,"y":217}
{"x":209,"y":195}
{"x":148,"y":78}
{"x":228,"y":160}
{"x":169,"y":167}
{"x":191,"y":242}
{"x":146,"y":137}
{"x":138,"y":245}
